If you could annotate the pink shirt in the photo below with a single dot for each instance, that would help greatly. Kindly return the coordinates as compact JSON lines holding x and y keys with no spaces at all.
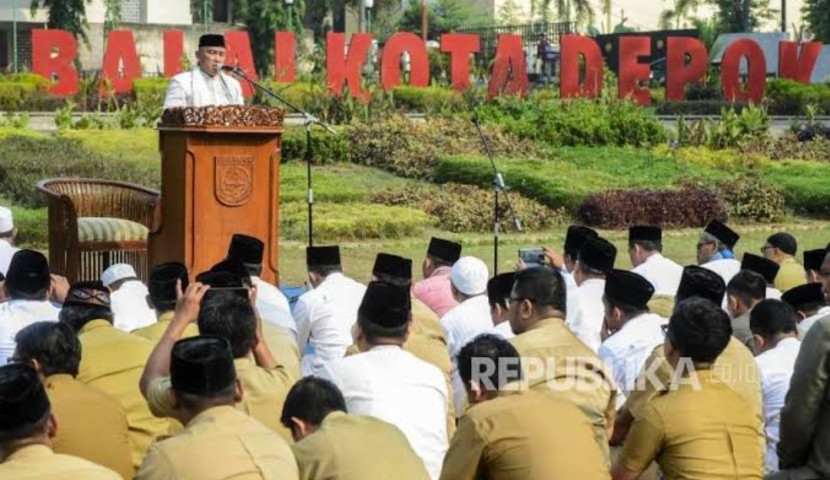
{"x":436,"y":291}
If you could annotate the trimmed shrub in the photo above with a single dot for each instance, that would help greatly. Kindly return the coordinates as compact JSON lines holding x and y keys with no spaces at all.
{"x":788,"y":97}
{"x":327,"y":148}
{"x":687,"y":207}
{"x":352,"y":221}
{"x":804,"y":183}
{"x":426,"y":100}
{"x":465,"y":208}
{"x":789,"y":147}
{"x":32,"y":227}
{"x":750,"y":197}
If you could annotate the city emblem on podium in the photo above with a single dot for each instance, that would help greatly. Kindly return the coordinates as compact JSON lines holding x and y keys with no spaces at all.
{"x":234,"y":179}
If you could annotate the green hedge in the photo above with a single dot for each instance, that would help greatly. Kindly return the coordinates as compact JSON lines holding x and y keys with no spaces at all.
{"x":805,"y":185}
{"x":352,"y":221}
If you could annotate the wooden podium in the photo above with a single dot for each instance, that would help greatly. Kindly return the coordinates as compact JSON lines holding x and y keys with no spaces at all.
{"x":217,"y":180}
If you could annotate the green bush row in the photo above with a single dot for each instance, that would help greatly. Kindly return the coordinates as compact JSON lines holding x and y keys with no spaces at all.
{"x":352,"y":221}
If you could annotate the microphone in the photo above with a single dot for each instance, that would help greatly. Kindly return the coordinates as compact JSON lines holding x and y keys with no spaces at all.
{"x":228,"y":68}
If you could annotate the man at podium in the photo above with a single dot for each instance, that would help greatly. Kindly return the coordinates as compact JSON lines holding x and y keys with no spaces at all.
{"x":206,"y":84}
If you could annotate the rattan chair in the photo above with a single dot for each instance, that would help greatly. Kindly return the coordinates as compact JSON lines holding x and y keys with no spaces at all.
{"x":96,"y":223}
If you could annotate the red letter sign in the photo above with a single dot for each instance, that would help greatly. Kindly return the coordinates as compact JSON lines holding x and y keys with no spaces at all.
{"x":47,"y":66}
{"x":342,"y":68}
{"x":173,"y":52}
{"x":632,"y":72}
{"x":797,"y":65}
{"x":284,"y":65}
{"x":574,"y":46}
{"x":239,"y":55}
{"x":390,"y":61}
{"x":680,"y":73}
{"x":509,"y":68}
{"x":120,"y":52}
{"x":460,"y":47}
{"x":730,"y":72}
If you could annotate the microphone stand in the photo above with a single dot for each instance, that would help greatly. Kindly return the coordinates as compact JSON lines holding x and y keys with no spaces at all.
{"x":309,"y":120}
{"x":498,"y":187}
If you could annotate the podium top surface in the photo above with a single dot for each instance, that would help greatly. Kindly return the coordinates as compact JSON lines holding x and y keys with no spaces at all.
{"x":219,"y":129}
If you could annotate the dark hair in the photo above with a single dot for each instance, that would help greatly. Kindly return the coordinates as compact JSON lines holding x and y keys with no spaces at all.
{"x":229,"y":316}
{"x":54,"y":345}
{"x":26,"y":431}
{"x":699,"y":329}
{"x":439,"y":262}
{"x":199,"y":403}
{"x":16,"y":294}
{"x":647,"y":245}
{"x":629,"y":310}
{"x":771,"y":317}
{"x":543,"y":286}
{"x":748,"y":286}
{"x":499,"y":358}
{"x":76,"y":316}
{"x":311,"y":400}
{"x":326,"y":270}
{"x":373,"y":332}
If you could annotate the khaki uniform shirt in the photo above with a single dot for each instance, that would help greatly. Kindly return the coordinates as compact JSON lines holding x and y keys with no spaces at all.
{"x":357,"y":447}
{"x":112,"y":362}
{"x":704,"y":433}
{"x":283,"y":345}
{"x":524,"y":435}
{"x":790,"y":275}
{"x":263,"y":394}
{"x":155,"y":331}
{"x":38,"y":462}
{"x":91,"y":425}
{"x":555,"y":361}
{"x":735,"y":366}
{"x":220,"y":443}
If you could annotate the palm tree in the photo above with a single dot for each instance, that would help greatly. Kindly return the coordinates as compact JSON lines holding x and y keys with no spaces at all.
{"x":582,"y":9}
{"x":673,"y":18}
{"x":69,"y":15}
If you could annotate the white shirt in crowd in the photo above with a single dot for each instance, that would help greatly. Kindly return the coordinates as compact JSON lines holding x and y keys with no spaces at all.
{"x":195,"y":88}
{"x":393,"y":385}
{"x":804,"y":325}
{"x":773,"y":294}
{"x":15,"y":315}
{"x":324,"y":317}
{"x":726,"y":268}
{"x":129,"y":307}
{"x":573,"y":314}
{"x":7,"y":251}
{"x":588,"y":326}
{"x":626,"y":350}
{"x":461,"y":324}
{"x":272,"y":305}
{"x":663,"y":273}
{"x":503,"y":330}
{"x":776,"y":366}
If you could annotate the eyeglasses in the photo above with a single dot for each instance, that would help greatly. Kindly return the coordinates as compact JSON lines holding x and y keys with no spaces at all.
{"x":703,"y":244}
{"x":765,"y":248}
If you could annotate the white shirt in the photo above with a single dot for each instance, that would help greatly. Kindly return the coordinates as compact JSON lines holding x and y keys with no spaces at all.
{"x":776,"y":368}
{"x":272,"y":305}
{"x":726,"y":268}
{"x":197,"y":89}
{"x":15,"y":315}
{"x":503,"y":330}
{"x":626,"y":350}
{"x":324,"y":319}
{"x":573,"y":314}
{"x":773,"y":293}
{"x":7,"y":251}
{"x":393,"y":385}
{"x":461,"y":325}
{"x":129,"y":307}
{"x":804,"y":325}
{"x":662,"y":273}
{"x":588,"y":325}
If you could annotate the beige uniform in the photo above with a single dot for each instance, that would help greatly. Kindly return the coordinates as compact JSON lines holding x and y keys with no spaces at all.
{"x":524,"y":436}
{"x":263,"y":394}
{"x":790,"y":275}
{"x":557,"y":362}
{"x":91,"y":425}
{"x":38,"y":462}
{"x":155,"y":331}
{"x":220,"y":443}
{"x":357,"y":447}
{"x":112,"y":362}
{"x":283,"y":345}
{"x":704,"y":433}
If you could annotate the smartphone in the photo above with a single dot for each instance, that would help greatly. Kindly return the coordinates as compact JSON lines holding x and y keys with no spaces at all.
{"x":533,"y":257}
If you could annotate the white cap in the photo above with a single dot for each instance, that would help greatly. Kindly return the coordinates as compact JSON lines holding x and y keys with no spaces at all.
{"x":470,"y":275}
{"x":117,"y":272}
{"x":6,"y":220}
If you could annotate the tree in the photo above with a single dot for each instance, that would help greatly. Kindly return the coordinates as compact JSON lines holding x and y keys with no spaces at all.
{"x":69,"y":15}
{"x":112,"y":15}
{"x":262,"y":18}
{"x":731,"y":14}
{"x":201,"y":9}
{"x":511,"y":13}
{"x":579,"y":11}
{"x":817,"y":16}
{"x":679,"y":15}
{"x":443,"y":16}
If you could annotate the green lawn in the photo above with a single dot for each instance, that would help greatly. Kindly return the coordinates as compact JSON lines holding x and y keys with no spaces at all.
{"x":337,"y":183}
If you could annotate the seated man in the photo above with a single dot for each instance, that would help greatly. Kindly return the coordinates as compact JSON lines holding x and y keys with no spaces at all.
{"x":434,"y":290}
{"x":333,"y":444}
{"x":230,"y":316}
{"x":645,"y":249}
{"x":809,"y":304}
{"x":92,"y":425}
{"x":28,"y":288}
{"x":26,"y":430}
{"x":715,"y":250}
{"x":699,"y":429}
{"x":112,"y":361}
{"x":167,"y":280}
{"x":128,"y":294}
{"x":812,"y":264}
{"x":219,"y":441}
{"x":513,"y":434}
{"x":744,"y":291}
{"x":498,"y":296}
{"x":8,"y":233}
{"x":766,"y":268}
{"x":781,"y":249}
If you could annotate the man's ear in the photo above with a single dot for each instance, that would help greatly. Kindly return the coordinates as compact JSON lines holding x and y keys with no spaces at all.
{"x":733,"y":302}
{"x":239,"y":392}
{"x":149,"y":302}
{"x":476,"y":393}
{"x":52,"y":426}
{"x":299,"y":429}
